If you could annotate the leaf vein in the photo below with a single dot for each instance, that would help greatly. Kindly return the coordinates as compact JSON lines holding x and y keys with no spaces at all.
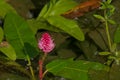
{"x":76,"y":69}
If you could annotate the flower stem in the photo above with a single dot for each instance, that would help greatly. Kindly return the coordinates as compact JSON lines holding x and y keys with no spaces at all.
{"x":41,"y":62}
{"x":31,"y":69}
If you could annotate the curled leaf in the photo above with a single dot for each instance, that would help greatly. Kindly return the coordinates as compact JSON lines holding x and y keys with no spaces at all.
{"x":82,"y":8}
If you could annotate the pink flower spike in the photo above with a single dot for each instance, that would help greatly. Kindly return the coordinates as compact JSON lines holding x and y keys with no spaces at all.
{"x":46,"y":43}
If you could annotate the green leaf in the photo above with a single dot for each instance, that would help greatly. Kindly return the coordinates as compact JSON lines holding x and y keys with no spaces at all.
{"x":52,"y":12}
{"x":69,"y":26}
{"x":32,"y":24}
{"x":8,"y":50}
{"x":109,"y":1}
{"x":111,"y":21}
{"x":111,"y":10}
{"x":36,"y":25}
{"x":1,"y":34}
{"x":104,"y":53}
{"x":5,"y":8}
{"x":99,"y":17}
{"x":117,"y":35}
{"x":73,"y":70}
{"x":103,"y":5}
{"x":56,"y":7}
{"x":20,"y":36}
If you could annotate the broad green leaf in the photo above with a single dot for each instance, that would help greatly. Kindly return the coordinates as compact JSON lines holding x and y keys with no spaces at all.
{"x":5,"y":8}
{"x":117,"y":35}
{"x":104,"y":53}
{"x":8,"y":50}
{"x":56,"y":7}
{"x":69,"y":26}
{"x":73,"y":70}
{"x":1,"y":34}
{"x":20,"y":36}
{"x":32,"y":24}
{"x":36,"y":25}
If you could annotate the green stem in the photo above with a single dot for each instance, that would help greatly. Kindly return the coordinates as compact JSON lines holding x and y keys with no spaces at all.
{"x":45,"y":73}
{"x":43,"y":58}
{"x":31,"y":69}
{"x":108,"y":35}
{"x":107,"y":31}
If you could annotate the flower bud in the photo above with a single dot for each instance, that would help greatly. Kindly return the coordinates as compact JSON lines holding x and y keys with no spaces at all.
{"x":46,"y":43}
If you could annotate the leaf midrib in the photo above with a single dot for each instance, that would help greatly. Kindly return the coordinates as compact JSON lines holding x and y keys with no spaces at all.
{"x":76,"y":69}
{"x":55,"y":66}
{"x":20,"y":38}
{"x":67,"y":68}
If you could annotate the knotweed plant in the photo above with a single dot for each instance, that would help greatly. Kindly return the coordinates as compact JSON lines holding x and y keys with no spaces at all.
{"x":46,"y":44}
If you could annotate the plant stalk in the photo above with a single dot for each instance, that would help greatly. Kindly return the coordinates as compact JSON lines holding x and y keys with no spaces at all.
{"x":41,"y":62}
{"x":107,"y":32}
{"x":31,"y":69}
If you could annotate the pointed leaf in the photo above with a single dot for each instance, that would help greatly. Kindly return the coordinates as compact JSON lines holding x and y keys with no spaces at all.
{"x":57,"y":7}
{"x":36,"y":25}
{"x":99,"y":17}
{"x":111,"y":21}
{"x":73,"y":70}
{"x":69,"y":26}
{"x":20,"y":36}
{"x":109,"y":1}
{"x":1,"y":34}
{"x":8,"y":50}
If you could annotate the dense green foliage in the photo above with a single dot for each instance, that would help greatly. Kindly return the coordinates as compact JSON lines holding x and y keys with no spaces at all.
{"x":84,"y":47}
